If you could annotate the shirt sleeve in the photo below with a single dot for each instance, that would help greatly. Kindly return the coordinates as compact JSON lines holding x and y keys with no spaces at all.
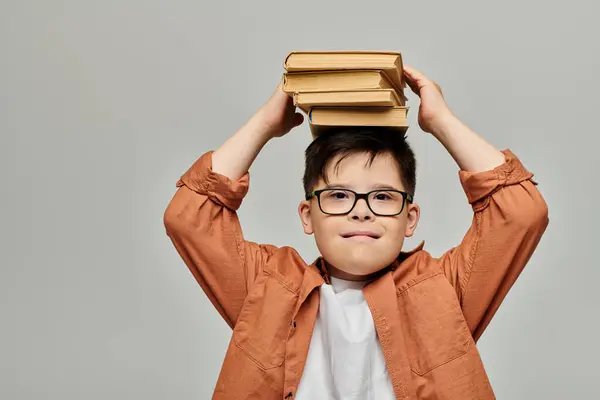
{"x":202,"y":223}
{"x":510,"y":217}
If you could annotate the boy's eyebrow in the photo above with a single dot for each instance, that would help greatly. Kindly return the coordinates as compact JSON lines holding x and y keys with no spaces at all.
{"x":377,"y":186}
{"x":384,"y":186}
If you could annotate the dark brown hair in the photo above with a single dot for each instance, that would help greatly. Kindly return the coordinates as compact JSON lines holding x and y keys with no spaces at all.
{"x":345,"y":141}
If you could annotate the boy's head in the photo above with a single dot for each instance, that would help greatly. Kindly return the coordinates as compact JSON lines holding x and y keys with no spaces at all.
{"x":355,"y":238}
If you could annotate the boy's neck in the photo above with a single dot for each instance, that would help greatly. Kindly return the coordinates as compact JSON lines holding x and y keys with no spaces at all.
{"x":338,"y":273}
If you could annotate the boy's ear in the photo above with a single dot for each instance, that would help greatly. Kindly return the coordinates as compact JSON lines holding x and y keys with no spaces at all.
{"x":413,"y":215}
{"x":304,"y":213}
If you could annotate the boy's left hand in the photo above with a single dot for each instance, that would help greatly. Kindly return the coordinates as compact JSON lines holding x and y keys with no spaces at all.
{"x":434,"y":113}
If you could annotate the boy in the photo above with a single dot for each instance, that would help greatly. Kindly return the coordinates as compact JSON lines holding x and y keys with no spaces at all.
{"x":366,"y":320}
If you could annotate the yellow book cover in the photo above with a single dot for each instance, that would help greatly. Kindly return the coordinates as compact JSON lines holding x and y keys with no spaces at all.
{"x":335,"y":81}
{"x":388,"y":61}
{"x":322,"y":118}
{"x":350,"y":98}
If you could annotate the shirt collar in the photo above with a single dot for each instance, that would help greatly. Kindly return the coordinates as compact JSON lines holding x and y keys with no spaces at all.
{"x":320,"y":267}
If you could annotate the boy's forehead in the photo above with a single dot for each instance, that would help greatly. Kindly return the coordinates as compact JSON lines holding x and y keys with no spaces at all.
{"x":361,"y":161}
{"x":361,"y":167}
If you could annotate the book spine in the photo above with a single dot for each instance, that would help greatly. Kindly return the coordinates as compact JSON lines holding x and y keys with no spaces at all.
{"x":285,"y":61}
{"x":284,"y":83}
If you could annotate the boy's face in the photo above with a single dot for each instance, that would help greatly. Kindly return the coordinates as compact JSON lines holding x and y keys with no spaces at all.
{"x":357,"y":256}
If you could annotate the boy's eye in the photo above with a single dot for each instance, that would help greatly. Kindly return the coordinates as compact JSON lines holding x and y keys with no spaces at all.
{"x":337,"y":194}
{"x":383,"y":196}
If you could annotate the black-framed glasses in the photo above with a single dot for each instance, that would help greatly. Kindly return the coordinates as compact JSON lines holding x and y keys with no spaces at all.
{"x":382,"y":202}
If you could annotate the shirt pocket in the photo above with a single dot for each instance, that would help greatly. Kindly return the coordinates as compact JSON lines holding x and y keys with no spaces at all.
{"x":265,"y":321}
{"x":435,"y":329}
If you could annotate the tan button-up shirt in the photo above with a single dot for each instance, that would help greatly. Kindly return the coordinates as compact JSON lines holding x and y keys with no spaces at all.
{"x":428,"y":312}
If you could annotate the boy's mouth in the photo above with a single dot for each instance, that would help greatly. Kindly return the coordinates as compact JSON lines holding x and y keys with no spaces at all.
{"x":360,"y":234}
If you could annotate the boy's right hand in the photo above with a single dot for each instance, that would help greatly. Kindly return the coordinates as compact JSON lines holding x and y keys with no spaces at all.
{"x":278,"y":115}
{"x":275,"y":118}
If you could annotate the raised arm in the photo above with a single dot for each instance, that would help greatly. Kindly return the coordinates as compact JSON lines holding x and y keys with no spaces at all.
{"x":201,"y":219}
{"x":510,"y":217}
{"x":510,"y":214}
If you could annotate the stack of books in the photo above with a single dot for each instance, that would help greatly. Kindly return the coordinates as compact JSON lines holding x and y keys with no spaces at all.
{"x":347,"y":88}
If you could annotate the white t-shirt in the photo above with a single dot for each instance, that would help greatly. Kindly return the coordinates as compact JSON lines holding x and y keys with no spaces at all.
{"x":345,"y":360}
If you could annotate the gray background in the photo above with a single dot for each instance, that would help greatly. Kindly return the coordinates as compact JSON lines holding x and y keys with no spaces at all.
{"x":103,"y":105}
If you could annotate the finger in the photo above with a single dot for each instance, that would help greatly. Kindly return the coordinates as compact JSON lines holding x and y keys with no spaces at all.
{"x":438,"y":88}
{"x":420,"y":80}
{"x":412,"y":84}
{"x":287,"y":98}
{"x":414,"y":73}
{"x":279,"y":91}
{"x":417,"y":77}
{"x":407,"y":73}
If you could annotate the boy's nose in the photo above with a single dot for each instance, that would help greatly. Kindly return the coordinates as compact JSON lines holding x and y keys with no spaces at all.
{"x":361,"y":211}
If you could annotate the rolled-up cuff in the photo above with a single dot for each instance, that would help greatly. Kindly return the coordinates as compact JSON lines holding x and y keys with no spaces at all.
{"x":202,"y":179}
{"x":478,"y":185}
